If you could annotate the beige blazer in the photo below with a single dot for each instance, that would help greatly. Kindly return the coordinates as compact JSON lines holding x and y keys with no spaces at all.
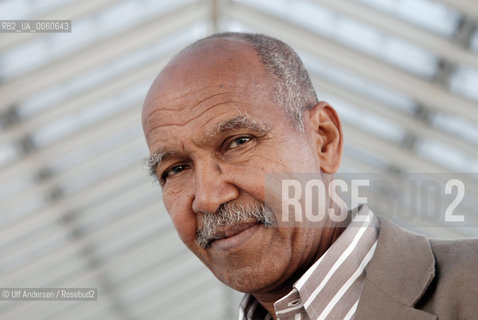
{"x":412,"y":277}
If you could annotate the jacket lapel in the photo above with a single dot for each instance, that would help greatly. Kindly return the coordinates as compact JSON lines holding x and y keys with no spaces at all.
{"x":397,"y":276}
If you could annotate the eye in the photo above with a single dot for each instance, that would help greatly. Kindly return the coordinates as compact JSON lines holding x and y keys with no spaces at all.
{"x":238,"y":141}
{"x":173,"y":171}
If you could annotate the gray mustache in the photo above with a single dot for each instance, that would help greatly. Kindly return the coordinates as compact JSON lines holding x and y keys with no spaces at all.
{"x":230,"y":214}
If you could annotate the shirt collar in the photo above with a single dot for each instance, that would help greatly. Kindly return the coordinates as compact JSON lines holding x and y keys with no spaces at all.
{"x":310,"y":284}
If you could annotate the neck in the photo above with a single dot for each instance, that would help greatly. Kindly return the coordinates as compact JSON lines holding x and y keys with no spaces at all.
{"x":328,"y":236}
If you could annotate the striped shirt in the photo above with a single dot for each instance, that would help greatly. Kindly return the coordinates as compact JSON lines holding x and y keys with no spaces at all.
{"x":331,"y":287}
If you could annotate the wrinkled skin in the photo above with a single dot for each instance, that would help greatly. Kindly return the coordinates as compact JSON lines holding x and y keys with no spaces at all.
{"x":211,"y":83}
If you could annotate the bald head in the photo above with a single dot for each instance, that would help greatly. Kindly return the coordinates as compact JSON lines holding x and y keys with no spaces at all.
{"x":197,"y":63}
{"x":287,"y":80}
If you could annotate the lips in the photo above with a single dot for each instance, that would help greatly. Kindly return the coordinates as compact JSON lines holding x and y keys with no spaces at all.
{"x":232,"y":231}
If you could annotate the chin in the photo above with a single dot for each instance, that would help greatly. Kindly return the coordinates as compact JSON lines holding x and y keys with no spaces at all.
{"x":252,"y":280}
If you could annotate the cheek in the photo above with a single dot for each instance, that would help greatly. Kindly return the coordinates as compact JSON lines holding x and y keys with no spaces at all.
{"x":184,"y":220}
{"x":250,"y":178}
{"x":186,"y":228}
{"x":300,"y":160}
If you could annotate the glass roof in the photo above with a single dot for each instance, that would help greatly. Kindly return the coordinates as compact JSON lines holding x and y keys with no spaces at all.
{"x":78,"y":208}
{"x":8,"y":152}
{"x":458,"y":126}
{"x":428,"y":14}
{"x":465,"y":82}
{"x":358,"y":84}
{"x":96,"y":148}
{"x":447,"y":156}
{"x":353,"y":33}
{"x":95,"y":113}
{"x":367,"y":121}
{"x":27,"y":9}
{"x":87,"y":30}
{"x":108,"y":71}
{"x":474,"y":41}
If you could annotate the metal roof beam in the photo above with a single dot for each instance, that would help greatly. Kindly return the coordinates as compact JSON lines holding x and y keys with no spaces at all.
{"x":440,"y":46}
{"x":466,"y":7}
{"x":422,"y":90}
{"x":72,"y":11}
{"x":83,"y":100}
{"x":410,"y":123}
{"x":101,"y":52}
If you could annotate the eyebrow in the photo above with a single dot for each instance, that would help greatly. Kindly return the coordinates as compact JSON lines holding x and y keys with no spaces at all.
{"x":243,"y":121}
{"x":240,"y":122}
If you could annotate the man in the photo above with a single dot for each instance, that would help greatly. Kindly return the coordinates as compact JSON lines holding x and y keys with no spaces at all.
{"x":234,"y":107}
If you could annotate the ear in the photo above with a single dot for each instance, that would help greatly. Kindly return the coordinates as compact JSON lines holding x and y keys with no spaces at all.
{"x":324,"y":125}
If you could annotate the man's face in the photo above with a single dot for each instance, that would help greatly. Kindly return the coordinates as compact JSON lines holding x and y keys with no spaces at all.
{"x":212,"y":116}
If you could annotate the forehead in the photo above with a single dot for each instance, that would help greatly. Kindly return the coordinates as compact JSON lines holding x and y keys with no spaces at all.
{"x":205,"y":69}
{"x":206,"y":83}
{"x":198,"y":115}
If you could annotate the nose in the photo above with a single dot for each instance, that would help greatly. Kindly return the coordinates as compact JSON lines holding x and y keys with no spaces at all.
{"x":213,"y":187}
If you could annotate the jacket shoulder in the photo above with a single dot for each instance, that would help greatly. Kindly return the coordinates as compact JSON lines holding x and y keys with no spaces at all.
{"x":454,"y":290}
{"x":462,"y":252}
